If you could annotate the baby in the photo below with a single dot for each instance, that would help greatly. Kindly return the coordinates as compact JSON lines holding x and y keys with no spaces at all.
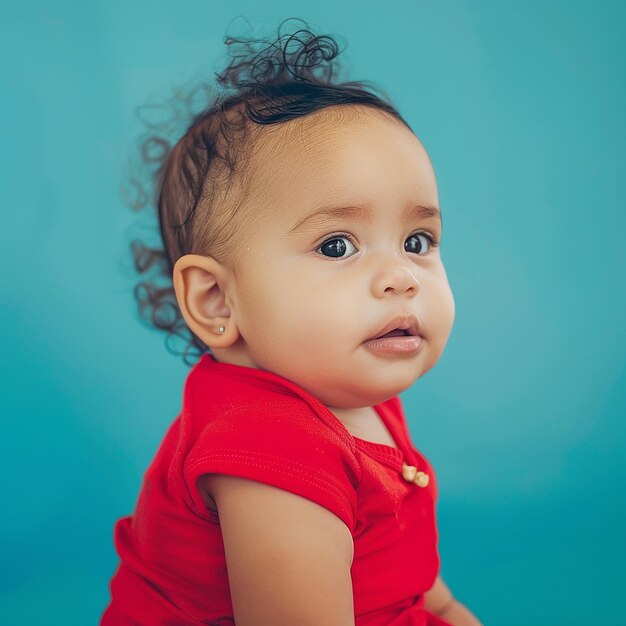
{"x":301,"y":231}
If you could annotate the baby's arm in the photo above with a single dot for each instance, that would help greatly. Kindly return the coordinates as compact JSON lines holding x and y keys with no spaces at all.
{"x":440,"y":601}
{"x":288,"y":558}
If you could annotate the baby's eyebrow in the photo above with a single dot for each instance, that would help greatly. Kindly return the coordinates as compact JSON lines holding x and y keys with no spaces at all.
{"x":363,"y":213}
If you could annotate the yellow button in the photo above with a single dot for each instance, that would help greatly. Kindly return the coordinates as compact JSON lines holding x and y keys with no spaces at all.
{"x":409,"y":472}
{"x":422,"y":479}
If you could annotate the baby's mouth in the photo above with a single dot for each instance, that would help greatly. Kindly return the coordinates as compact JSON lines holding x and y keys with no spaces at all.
{"x":395,"y":343}
{"x":403,"y":325}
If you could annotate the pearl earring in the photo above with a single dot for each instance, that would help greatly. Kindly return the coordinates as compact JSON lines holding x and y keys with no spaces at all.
{"x":221,"y":329}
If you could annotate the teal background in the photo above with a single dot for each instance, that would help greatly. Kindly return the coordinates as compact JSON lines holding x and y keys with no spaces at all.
{"x":521,"y":107}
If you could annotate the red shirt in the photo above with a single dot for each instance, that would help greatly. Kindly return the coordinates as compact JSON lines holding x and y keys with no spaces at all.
{"x":256,"y":424}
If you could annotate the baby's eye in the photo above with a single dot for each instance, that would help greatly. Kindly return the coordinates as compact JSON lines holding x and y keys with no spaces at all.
{"x":415,"y":245}
{"x":335,"y":246}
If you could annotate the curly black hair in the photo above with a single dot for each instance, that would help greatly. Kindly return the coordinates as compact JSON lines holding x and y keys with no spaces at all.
{"x":266,"y":82}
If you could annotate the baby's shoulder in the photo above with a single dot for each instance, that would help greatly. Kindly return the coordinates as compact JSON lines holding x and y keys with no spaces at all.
{"x":257,"y":411}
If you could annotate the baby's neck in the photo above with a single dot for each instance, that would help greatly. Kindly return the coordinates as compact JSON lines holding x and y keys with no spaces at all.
{"x":365,"y":423}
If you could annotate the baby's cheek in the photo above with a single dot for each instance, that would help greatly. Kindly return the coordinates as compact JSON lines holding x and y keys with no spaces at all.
{"x":448,"y":309}
{"x":441,"y":327}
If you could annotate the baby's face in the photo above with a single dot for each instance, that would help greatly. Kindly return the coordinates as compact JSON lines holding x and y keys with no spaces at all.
{"x":313,"y":287}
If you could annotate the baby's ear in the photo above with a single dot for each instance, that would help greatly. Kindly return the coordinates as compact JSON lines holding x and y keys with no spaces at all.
{"x":199,"y":283}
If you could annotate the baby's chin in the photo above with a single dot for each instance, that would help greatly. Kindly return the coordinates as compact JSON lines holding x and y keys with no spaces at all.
{"x":351,"y":393}
{"x":351,"y":380}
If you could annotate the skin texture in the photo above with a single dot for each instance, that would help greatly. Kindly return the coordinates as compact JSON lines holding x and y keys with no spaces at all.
{"x":289,"y":309}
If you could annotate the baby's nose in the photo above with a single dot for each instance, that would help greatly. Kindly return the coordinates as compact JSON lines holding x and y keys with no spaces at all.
{"x":396,"y":278}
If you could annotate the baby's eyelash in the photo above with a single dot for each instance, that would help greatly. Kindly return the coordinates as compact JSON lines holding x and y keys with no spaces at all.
{"x":433,"y":240}
{"x":336,"y":236}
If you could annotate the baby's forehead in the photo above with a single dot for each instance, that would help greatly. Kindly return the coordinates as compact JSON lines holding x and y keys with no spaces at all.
{"x":311,"y":143}
{"x":334,"y":155}
{"x":302,"y":135}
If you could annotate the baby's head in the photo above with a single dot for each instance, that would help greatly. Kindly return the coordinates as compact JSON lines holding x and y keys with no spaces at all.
{"x":299,"y":218}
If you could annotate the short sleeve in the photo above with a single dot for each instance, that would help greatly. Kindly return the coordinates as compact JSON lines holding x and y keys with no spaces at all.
{"x":284,"y":444}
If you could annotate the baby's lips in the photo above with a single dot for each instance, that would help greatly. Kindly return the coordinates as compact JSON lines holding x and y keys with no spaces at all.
{"x":406,"y":321}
